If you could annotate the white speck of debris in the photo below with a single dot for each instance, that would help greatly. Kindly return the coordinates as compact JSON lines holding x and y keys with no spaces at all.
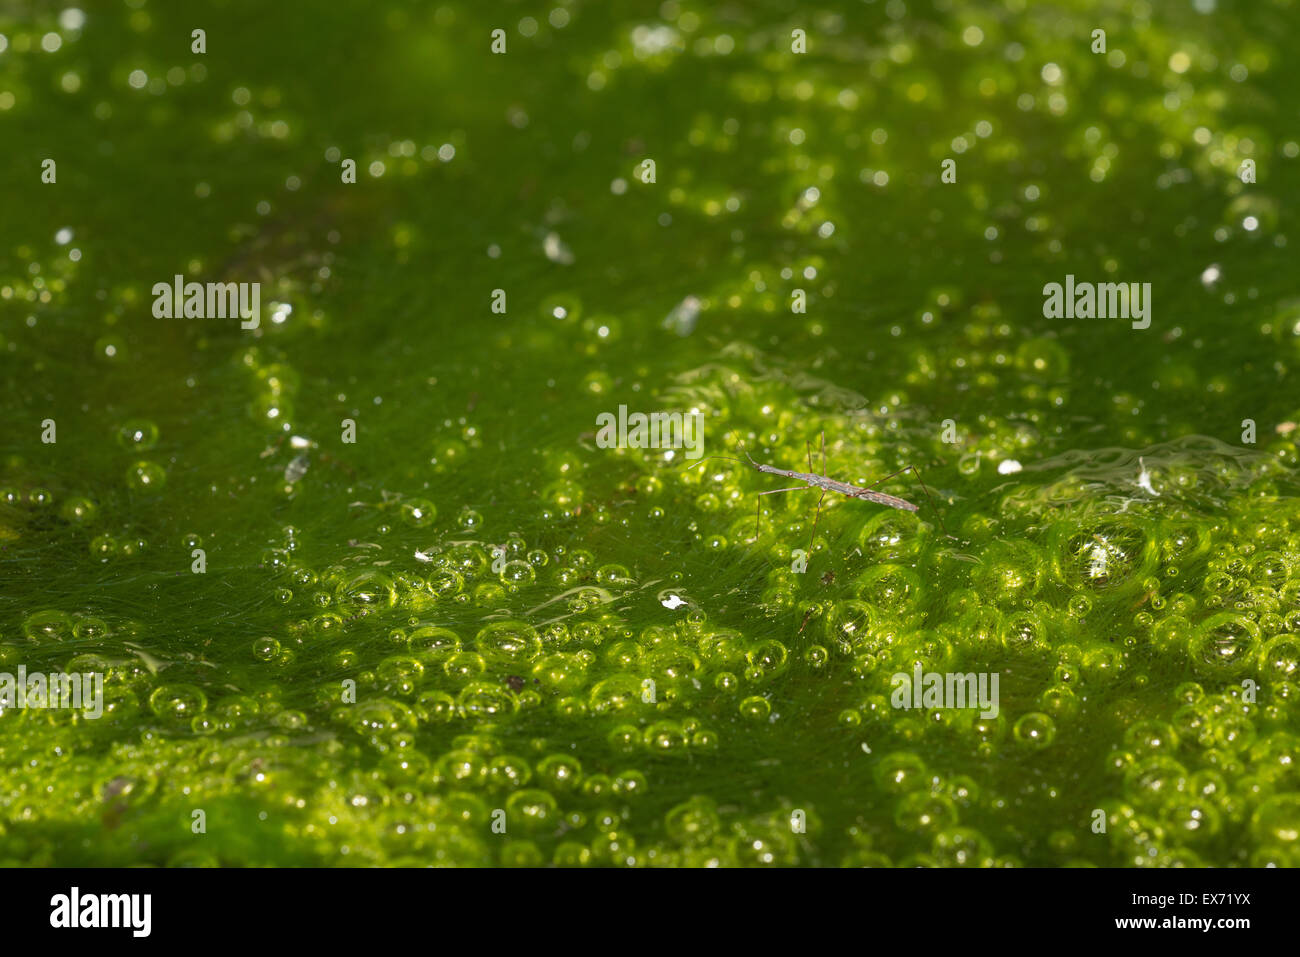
{"x":421,"y":556}
{"x":1097,"y":567}
{"x":682,"y":319}
{"x":648,"y":41}
{"x":672,"y":601}
{"x":295,"y":469}
{"x":1009,"y":467}
{"x":866,"y":748}
{"x":298,"y":442}
{"x":556,"y":251}
{"x":1144,"y":479}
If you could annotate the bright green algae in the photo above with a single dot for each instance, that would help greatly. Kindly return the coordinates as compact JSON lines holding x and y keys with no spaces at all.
{"x":1125,"y":583}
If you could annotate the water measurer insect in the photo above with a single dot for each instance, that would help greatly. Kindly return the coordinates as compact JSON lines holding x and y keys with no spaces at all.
{"x":812,"y":480}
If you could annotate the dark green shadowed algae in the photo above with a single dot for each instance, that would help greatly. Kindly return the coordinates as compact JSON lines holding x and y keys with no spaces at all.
{"x":366,"y":587}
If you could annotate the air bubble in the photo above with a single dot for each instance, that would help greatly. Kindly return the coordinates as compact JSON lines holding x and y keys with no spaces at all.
{"x":1035,"y":730}
{"x":49,"y":625}
{"x":139,"y":435}
{"x":145,"y":475}
{"x":418,"y":512}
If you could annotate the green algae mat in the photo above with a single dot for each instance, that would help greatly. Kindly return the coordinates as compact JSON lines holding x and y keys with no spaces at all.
{"x":382,"y":385}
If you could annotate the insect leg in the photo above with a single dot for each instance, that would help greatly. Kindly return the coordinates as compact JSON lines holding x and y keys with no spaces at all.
{"x":886,"y":478}
{"x":924,"y":488}
{"x":813,"y":537}
{"x":758,"y":504}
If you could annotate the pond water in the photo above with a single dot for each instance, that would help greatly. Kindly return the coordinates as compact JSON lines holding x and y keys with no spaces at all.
{"x":372,"y":581}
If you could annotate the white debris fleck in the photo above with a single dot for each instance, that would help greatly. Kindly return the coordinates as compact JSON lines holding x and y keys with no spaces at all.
{"x":1009,"y":467}
{"x":683,"y":316}
{"x":1097,"y":567}
{"x":1144,"y":479}
{"x":556,"y":250}
{"x":672,"y":601}
{"x":298,"y":442}
{"x":296,"y":469}
{"x":422,"y":556}
{"x":648,"y":41}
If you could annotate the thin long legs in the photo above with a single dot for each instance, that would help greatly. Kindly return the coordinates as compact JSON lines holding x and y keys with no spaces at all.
{"x":824,"y":482}
{"x":924,"y":488}
{"x":812,"y":469}
{"x":813,"y":537}
{"x":758,"y":504}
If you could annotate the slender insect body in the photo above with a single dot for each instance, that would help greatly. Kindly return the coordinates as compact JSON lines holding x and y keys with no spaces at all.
{"x":828,"y":484}
{"x":843,"y":488}
{"x":808,"y":477}
{"x":880,"y":498}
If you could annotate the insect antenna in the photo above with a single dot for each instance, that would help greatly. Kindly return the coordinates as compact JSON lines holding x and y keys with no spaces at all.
{"x":707,"y":457}
{"x":729,"y":458}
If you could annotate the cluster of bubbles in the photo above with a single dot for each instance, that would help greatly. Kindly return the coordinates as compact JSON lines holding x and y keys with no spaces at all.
{"x":457,"y":673}
{"x":1088,"y":620}
{"x":142,"y":476}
